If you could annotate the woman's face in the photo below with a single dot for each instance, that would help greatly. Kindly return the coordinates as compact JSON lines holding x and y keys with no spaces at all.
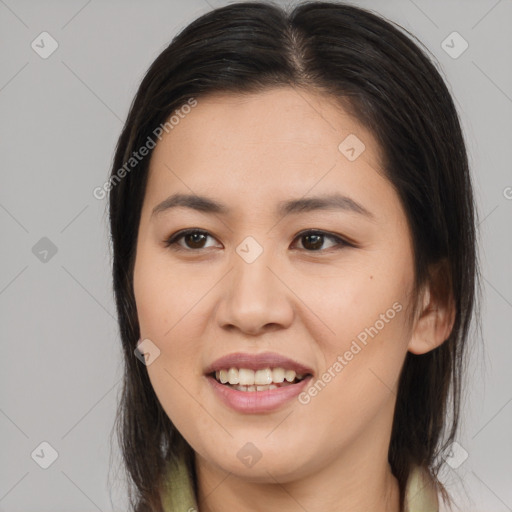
{"x":322,"y":290}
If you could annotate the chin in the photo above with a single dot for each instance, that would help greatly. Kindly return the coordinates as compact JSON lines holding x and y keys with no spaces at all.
{"x":262,"y":463}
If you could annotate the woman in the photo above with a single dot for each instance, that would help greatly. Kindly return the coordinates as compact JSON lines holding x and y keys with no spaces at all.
{"x":294,"y":266}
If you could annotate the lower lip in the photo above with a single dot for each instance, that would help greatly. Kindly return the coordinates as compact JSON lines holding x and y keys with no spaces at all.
{"x":257,"y":401}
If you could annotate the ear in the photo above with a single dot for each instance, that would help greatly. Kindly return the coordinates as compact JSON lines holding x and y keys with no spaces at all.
{"x":434,"y":321}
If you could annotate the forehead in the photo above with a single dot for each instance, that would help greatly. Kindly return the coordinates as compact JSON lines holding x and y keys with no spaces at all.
{"x":281,"y":142}
{"x":293,"y":120}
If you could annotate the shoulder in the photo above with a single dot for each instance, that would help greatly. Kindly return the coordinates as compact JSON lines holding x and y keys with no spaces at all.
{"x":178,"y":490}
{"x":420,"y":492}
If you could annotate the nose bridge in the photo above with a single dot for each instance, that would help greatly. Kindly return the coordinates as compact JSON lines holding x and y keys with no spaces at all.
{"x":255,"y":298}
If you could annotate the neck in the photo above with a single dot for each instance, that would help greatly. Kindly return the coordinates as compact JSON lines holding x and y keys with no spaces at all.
{"x":377,"y":492}
{"x":348,"y":483}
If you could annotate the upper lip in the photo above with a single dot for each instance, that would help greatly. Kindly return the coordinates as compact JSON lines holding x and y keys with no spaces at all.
{"x":257,"y":362}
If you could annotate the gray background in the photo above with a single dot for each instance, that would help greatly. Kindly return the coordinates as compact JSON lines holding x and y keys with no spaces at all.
{"x":60,"y":119}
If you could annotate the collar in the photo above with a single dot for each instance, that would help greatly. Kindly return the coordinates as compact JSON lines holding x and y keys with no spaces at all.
{"x":420,"y":495}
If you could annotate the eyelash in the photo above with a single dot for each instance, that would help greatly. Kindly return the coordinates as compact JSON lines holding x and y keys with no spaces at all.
{"x":172,"y":241}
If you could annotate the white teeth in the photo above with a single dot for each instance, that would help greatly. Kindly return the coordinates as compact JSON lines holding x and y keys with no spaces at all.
{"x":289,"y":375}
{"x":278,"y":375}
{"x":233,"y":376}
{"x":248,"y":379}
{"x":263,"y":377}
{"x":258,"y":388}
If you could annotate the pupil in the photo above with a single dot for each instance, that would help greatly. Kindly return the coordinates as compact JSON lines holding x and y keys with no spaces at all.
{"x":195,"y":242}
{"x":316,"y":241}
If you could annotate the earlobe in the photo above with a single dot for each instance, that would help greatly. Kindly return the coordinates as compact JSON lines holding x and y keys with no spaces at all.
{"x":435,"y":321}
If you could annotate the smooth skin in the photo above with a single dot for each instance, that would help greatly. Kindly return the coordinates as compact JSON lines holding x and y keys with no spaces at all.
{"x":302,"y":298}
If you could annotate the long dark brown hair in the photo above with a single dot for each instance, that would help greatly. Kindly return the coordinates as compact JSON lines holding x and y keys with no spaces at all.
{"x":390,"y":84}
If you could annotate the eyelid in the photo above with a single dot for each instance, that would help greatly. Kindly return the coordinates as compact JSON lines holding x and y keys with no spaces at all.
{"x":340,"y":241}
{"x":172,"y":241}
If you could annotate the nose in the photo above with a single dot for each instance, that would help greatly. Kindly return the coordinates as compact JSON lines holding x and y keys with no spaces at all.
{"x":255,"y":298}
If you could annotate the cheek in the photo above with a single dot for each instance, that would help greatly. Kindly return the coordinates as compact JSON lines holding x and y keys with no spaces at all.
{"x":364,"y":350}
{"x":165,"y":308}
{"x":169,"y":312}
{"x":360,"y":301}
{"x":358,"y":385}
{"x":164,"y":295}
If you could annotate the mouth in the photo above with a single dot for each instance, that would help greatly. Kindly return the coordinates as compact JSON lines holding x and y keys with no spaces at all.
{"x":265,"y":379}
{"x":257,"y":383}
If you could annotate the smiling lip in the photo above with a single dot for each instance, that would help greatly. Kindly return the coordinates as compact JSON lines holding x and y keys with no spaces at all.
{"x":257,"y":362}
{"x":253,"y":402}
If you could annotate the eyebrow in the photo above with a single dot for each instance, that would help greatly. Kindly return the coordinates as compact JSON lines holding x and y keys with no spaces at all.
{"x":209,"y":205}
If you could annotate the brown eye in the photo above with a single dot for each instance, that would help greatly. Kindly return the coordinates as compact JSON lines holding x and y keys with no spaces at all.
{"x":314,"y":240}
{"x":193,"y":239}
